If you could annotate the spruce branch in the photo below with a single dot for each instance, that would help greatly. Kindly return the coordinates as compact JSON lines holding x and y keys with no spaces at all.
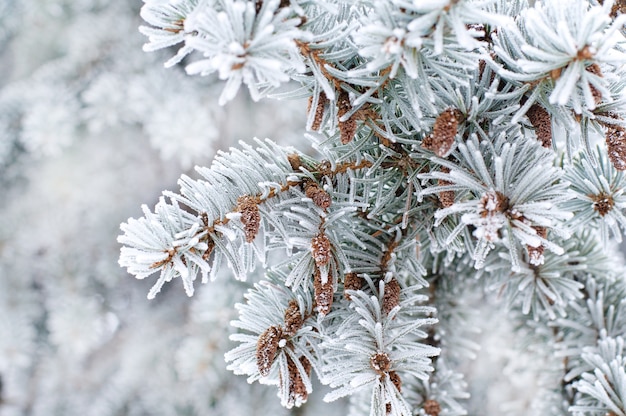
{"x":598,"y":192}
{"x":282,"y":348}
{"x":225,"y":224}
{"x":375,"y":350}
{"x":503,"y":204}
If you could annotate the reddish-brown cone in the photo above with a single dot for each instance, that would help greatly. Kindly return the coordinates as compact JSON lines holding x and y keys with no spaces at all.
{"x":351,"y":281}
{"x":294,"y":161}
{"x":267,"y":347}
{"x":250,"y":217}
{"x":616,"y":143}
{"x":493,"y":202}
{"x":324,"y":293}
{"x":320,"y":248}
{"x":320,"y":197}
{"x":445,"y":129}
{"x":391,"y":298}
{"x":297,"y":388}
{"x":603,"y":203}
{"x":293,"y":318}
{"x":319,"y":111}
{"x":542,"y":122}
{"x":347,"y":128}
{"x":556,"y":73}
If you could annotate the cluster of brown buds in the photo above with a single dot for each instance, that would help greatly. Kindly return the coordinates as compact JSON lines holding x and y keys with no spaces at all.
{"x":269,"y":346}
{"x":381,"y":363}
{"x":441,"y":142}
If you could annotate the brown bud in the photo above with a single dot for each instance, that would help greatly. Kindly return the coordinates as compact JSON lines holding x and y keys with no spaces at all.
{"x":446,"y":198}
{"x":391,"y":297}
{"x":319,"y":111}
{"x":347,"y":129}
{"x":297,"y":388}
{"x":556,"y":73}
{"x":324,"y":293}
{"x":493,"y":202}
{"x":616,"y":143}
{"x":542,"y":122}
{"x":432,"y":407}
{"x":293,"y":318}
{"x":619,"y":7}
{"x":351,"y":281}
{"x":267,"y":347}
{"x":385,"y":258}
{"x":602,"y":203}
{"x":294,"y":161}
{"x":250,"y":217}
{"x":482,"y":64}
{"x":395,"y":379}
{"x":586,"y":52}
{"x":320,"y":247}
{"x":444,"y":132}
{"x":595,"y":69}
{"x":380,"y":362}
{"x":320,"y":197}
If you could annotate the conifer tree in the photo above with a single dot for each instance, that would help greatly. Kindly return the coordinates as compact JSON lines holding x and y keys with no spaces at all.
{"x":457,"y":147}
